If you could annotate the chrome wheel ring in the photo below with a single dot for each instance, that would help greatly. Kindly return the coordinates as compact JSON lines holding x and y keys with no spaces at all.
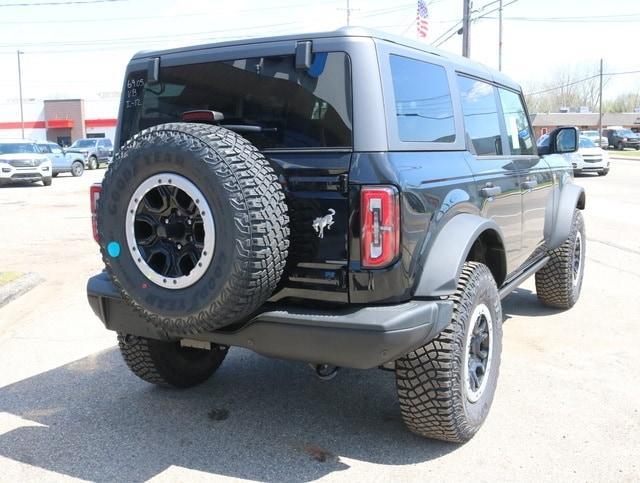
{"x":578,"y":253}
{"x":478,"y":353}
{"x":170,"y":231}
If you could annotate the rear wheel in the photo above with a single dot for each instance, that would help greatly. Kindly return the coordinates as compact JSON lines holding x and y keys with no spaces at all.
{"x":167,"y":363}
{"x":559,"y":282}
{"x":446,"y":387}
{"x":620,"y":146}
{"x":93,"y":162}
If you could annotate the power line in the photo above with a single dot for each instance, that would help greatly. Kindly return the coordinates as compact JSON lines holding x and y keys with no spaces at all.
{"x":630,"y":17}
{"x":148,"y":17}
{"x":440,"y":40}
{"x":52,"y":4}
{"x":148,"y":39}
{"x":579,"y":81}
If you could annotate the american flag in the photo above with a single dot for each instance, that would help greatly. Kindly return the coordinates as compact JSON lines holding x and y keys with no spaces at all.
{"x":422,"y":20}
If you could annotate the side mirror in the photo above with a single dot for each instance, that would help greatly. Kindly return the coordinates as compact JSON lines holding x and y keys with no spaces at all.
{"x":561,"y":140}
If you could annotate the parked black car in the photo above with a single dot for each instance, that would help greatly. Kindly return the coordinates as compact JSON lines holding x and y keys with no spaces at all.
{"x":622,"y":138}
{"x":95,"y":151}
{"x":347,"y":199}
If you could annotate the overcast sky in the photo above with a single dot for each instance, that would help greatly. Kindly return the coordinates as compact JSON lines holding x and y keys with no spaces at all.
{"x":80,"y":50}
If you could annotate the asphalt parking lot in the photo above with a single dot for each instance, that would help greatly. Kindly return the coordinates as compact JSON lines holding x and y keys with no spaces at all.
{"x":567,"y":405}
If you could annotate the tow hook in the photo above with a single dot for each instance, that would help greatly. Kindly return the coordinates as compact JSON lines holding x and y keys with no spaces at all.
{"x":325,"y":372}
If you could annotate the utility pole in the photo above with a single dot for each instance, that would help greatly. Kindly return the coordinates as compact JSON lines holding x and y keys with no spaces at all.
{"x":349,"y":10}
{"x":600,"y":117}
{"x":20,"y":90}
{"x":348,"y":14}
{"x":466,"y":23}
{"x":500,"y":37}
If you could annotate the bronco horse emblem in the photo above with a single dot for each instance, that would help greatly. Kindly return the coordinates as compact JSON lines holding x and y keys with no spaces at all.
{"x":322,"y":222}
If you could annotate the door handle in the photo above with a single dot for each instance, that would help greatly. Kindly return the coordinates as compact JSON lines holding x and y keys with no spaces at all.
{"x":529,"y":184}
{"x":490,"y":191}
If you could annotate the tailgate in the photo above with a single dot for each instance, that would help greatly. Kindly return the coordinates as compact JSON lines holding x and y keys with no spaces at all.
{"x":315,"y":189}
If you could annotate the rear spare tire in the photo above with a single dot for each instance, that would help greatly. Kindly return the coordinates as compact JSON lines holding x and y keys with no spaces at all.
{"x":193,"y":226}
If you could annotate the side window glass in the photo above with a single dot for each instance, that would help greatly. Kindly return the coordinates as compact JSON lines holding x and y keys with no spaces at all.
{"x":481,"y":119}
{"x":517,"y":124}
{"x":424,"y":111}
{"x":55,"y":149}
{"x":43,"y":148}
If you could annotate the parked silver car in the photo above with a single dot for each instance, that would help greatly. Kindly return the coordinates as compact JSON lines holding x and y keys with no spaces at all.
{"x":62,"y":161}
{"x":22,"y":161}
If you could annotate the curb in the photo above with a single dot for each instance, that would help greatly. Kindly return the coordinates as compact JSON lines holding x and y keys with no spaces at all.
{"x":18,"y":287}
{"x":625,"y":158}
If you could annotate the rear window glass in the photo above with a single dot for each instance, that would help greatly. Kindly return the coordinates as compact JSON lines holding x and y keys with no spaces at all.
{"x":285,"y":107}
{"x":424,"y":110}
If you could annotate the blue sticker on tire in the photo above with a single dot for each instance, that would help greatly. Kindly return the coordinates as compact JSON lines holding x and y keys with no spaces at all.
{"x":113,"y":249}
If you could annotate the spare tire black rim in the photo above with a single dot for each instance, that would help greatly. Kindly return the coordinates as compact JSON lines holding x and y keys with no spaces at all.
{"x":478,"y":353}
{"x":170,"y":230}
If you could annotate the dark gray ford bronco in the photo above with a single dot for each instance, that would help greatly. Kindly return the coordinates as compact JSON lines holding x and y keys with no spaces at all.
{"x":347,"y":199}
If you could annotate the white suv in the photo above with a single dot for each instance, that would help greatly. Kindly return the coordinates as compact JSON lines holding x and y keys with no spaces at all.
{"x":593,"y":159}
{"x":22,"y":161}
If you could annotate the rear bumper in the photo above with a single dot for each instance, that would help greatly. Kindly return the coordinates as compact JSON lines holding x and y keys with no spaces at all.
{"x":355,"y":337}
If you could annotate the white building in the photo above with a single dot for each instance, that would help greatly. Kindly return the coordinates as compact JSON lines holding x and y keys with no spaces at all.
{"x":60,"y":120}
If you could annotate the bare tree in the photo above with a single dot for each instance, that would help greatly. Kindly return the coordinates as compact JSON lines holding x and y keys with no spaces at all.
{"x":569,"y":87}
{"x":627,"y":102}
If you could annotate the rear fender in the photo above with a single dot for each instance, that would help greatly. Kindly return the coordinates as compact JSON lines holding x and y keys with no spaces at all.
{"x":449,"y":252}
{"x":572,"y":196}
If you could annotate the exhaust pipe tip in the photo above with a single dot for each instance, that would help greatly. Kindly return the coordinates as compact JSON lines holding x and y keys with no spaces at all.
{"x":325,"y":372}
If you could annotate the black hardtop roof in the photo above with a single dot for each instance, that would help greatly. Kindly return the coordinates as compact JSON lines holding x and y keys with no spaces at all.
{"x":456,"y":61}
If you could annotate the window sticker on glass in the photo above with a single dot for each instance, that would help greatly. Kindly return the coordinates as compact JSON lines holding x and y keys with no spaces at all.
{"x":133,"y":98}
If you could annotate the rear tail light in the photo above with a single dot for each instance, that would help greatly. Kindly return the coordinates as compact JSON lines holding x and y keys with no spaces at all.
{"x":94,"y":195}
{"x":380,"y":226}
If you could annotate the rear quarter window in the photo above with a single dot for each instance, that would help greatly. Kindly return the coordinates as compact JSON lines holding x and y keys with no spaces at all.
{"x":424,"y":111}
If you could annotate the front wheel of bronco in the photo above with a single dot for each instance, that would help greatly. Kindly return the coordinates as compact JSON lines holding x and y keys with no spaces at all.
{"x":167,"y":363}
{"x":446,"y":387}
{"x":559,"y":282}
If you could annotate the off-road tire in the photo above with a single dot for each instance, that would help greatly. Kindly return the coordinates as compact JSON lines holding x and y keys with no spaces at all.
{"x":168,"y":364}
{"x":430,"y":380}
{"x":620,"y":146}
{"x":93,"y":163}
{"x":555,"y":285}
{"x":47,"y":181}
{"x":251,"y":225}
